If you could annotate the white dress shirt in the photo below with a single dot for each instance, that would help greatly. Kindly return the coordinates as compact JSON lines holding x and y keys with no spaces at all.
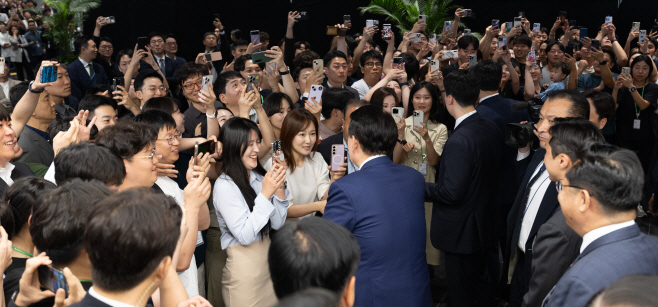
{"x":462,"y":118}
{"x":86,"y":65}
{"x":106,"y":300}
{"x":5,"y":88}
{"x":157,"y":61}
{"x":535,"y":198}
{"x":485,"y":98}
{"x":5,"y":173}
{"x":370,"y":158}
{"x":591,"y":236}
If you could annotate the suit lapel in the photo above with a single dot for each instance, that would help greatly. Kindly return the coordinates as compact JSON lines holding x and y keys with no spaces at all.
{"x":468,"y":120}
{"x":615,"y":236}
{"x":546,"y":209}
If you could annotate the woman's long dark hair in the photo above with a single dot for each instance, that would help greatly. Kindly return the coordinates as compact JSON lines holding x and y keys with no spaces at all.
{"x":436,"y":109}
{"x":234,"y":137}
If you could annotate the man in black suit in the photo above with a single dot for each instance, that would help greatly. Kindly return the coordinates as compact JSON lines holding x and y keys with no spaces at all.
{"x":335,"y":67}
{"x":462,"y":226}
{"x":167,"y":66}
{"x":536,"y":200}
{"x":341,"y":138}
{"x":569,"y":138}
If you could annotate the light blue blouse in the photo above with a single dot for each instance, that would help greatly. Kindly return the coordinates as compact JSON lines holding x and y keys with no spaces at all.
{"x":237,"y":223}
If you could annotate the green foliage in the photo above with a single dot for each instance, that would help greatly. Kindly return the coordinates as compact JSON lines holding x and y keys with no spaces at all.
{"x":64,"y":24}
{"x":404,"y":13}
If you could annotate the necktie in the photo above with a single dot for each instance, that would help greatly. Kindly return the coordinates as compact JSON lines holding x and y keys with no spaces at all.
{"x":162,"y":65}
{"x":91,"y":70}
{"x":526,"y":196}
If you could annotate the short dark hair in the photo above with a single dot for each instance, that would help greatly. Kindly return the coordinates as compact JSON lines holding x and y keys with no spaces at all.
{"x":357,"y":103}
{"x":573,"y":136}
{"x":223,"y":79}
{"x":63,"y":124}
{"x":463,"y":86}
{"x":305,"y":57}
{"x":154,"y":34}
{"x":372,"y":54}
{"x":238,"y":43}
{"x":316,"y":297}
{"x":579,"y":104}
{"x":489,"y":73}
{"x":241,"y":61}
{"x":312,"y":252}
{"x":139,"y":79}
{"x":523,"y":40}
{"x":238,"y":35}
{"x":298,"y":44}
{"x":631,"y":291}
{"x":127,"y":138}
{"x":135,"y":220}
{"x":81,"y":160}
{"x":21,"y":197}
{"x":272,"y":103}
{"x":121,"y":53}
{"x":298,"y":70}
{"x":7,"y":218}
{"x":59,"y":218}
{"x":332,"y":55}
{"x":604,"y":104}
{"x":105,"y":39}
{"x":80,"y":42}
{"x":205,"y":35}
{"x":98,"y":88}
{"x":157,"y":119}
{"x":436,"y":110}
{"x":188,"y":70}
{"x":612,"y":55}
{"x":646,"y":59}
{"x":375,"y":130}
{"x":92,"y":102}
{"x":564,"y":68}
{"x":264,"y":36}
{"x":166,"y":104}
{"x":467,"y":40}
{"x":612,"y":175}
{"x":17,"y":92}
{"x":411,"y":65}
{"x":334,"y":98}
{"x":551,"y":42}
{"x":378,"y":96}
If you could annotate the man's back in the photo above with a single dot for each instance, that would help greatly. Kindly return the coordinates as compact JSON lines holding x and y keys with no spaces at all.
{"x":382,"y":205}
{"x":623,"y":252}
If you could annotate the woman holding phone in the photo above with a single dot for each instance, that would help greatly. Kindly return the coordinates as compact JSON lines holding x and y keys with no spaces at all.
{"x":636,"y":99}
{"x":277,"y":106}
{"x":249,"y":203}
{"x":19,"y":57}
{"x":423,"y":145}
{"x":308,"y":174}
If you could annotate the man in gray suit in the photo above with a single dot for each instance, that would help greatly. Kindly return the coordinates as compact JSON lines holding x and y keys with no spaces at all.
{"x":35,"y":140}
{"x":556,"y":244}
{"x":599,"y":197}
{"x":5,"y":86}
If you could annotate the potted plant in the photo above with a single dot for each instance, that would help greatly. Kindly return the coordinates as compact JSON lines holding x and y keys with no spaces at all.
{"x":404,"y":13}
{"x":66,"y":23}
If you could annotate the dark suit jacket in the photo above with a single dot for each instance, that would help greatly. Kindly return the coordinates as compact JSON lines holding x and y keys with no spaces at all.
{"x":354,"y":92}
{"x":462,"y":220}
{"x":387,"y":217}
{"x":90,"y":301}
{"x":623,"y":252}
{"x":171,"y":67}
{"x":20,"y":170}
{"x":546,"y":209}
{"x":80,"y":81}
{"x":36,"y":149}
{"x":554,"y":238}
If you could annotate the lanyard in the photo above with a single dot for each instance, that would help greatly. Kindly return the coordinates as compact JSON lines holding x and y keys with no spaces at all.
{"x":637,"y":111}
{"x":22,"y":251}
{"x":423,"y":153}
{"x":85,"y":280}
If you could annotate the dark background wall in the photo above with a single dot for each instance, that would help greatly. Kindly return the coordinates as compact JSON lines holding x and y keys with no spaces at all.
{"x":188,"y":20}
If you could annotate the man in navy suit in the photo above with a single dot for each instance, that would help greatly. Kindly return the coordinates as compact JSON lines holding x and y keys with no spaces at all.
{"x":85,"y":73}
{"x":382,"y":205}
{"x":168,"y":66}
{"x":599,"y":197}
{"x":462,"y":223}
{"x":536,"y":200}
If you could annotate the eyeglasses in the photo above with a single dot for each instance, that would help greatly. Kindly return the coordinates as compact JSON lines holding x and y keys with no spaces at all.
{"x":375,"y":64}
{"x":559,"y":186}
{"x":145,"y":157}
{"x":190,"y":86}
{"x":155,"y":88}
{"x":159,"y":41}
{"x":170,"y":140}
{"x":106,"y":47}
{"x":556,"y":52}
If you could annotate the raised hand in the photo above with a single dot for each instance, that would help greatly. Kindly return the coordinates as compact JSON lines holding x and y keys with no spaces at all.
{"x":37,"y":85}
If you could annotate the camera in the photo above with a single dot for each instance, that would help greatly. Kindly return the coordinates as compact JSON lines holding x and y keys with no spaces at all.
{"x":518,"y":135}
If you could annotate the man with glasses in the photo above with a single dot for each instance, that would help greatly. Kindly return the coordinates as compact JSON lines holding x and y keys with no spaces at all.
{"x":599,"y":198}
{"x":536,"y":199}
{"x":371,"y":67}
{"x":171,"y":48}
{"x":149,"y":84}
{"x":166,"y":65}
{"x":569,"y":139}
{"x":84,"y":72}
{"x":105,"y":50}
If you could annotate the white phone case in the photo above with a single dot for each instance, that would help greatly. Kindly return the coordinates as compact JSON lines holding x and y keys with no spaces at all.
{"x":418,"y":118}
{"x":207,"y":79}
{"x":398,"y":113}
{"x":316,"y":92}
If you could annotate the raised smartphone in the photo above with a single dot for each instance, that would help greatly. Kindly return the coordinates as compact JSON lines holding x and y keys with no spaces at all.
{"x":255,"y":37}
{"x":347,"y":18}
{"x":416,"y":37}
{"x":270,"y":67}
{"x":253,"y":81}
{"x":337,"y":156}
{"x":207,"y":79}
{"x":52,"y":279}
{"x":626,"y":71}
{"x":302,"y":16}
{"x":608,"y":19}
{"x":316,"y":93}
{"x":370,"y":22}
{"x":642,"y":37}
{"x":142,"y":42}
{"x":450,"y":54}
{"x":116,"y":82}
{"x":517,"y":21}
{"x":419,"y":116}
{"x":398,"y":114}
{"x":422,"y":18}
{"x":276,"y":151}
{"x":434,"y":65}
{"x":495,"y":23}
{"x":502,"y":42}
{"x":398,"y":63}
{"x":447,"y":26}
{"x":386,"y":32}
{"x":48,"y":73}
{"x":583,"y":33}
{"x":472,"y":60}
{"x":318,"y":65}
{"x":205,"y":147}
{"x":258,"y":57}
{"x":467,"y":31}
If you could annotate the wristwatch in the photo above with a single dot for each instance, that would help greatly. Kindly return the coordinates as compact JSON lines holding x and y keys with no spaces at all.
{"x":33,"y":91}
{"x":214,"y":115}
{"x":285,"y":72}
{"x":633,"y":89}
{"x":404,"y":83}
{"x":402,"y":142}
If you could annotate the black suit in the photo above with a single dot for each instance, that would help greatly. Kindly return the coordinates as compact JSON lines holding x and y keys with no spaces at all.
{"x":462,"y":226}
{"x":90,"y":301}
{"x":20,"y":170}
{"x":171,"y":67}
{"x":549,"y":204}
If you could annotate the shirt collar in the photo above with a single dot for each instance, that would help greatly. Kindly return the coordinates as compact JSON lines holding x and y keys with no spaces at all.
{"x":157,"y":59}
{"x":342,"y":85}
{"x":485,"y":98}
{"x":174,"y":58}
{"x":370,"y":158}
{"x":463,"y":117}
{"x":83,"y":62}
{"x":106,"y":300}
{"x":253,"y":177}
{"x":591,"y":236}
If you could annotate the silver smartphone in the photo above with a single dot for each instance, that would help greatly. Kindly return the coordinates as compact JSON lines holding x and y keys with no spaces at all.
{"x":419,"y":116}
{"x":337,"y":156}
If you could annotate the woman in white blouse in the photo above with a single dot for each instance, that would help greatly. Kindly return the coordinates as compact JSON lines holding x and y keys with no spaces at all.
{"x":249,"y":203}
{"x":308,"y":174}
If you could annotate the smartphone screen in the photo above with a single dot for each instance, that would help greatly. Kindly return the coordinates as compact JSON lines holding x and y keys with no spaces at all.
{"x":255,"y":36}
{"x":205,"y":147}
{"x":116,"y":82}
{"x":52,"y":278}
{"x":142,"y":42}
{"x":347,"y":18}
{"x":386,"y":32}
{"x":495,"y":23}
{"x":398,"y":63}
{"x":583,"y":33}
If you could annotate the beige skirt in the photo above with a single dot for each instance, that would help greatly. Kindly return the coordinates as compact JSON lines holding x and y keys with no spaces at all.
{"x":246,"y":279}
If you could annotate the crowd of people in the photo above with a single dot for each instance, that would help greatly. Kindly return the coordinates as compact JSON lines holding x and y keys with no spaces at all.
{"x":509,"y":169}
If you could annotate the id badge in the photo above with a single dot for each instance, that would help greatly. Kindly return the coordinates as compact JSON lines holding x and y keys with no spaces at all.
{"x":422,"y":167}
{"x":636,"y":124}
{"x":199,"y":239}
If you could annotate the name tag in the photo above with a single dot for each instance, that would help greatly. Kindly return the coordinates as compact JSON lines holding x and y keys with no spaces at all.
{"x":422,"y":167}
{"x":636,"y":124}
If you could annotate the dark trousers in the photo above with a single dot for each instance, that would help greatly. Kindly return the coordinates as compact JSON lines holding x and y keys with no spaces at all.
{"x":518,"y":286}
{"x":469,"y":282}
{"x":35,"y":60}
